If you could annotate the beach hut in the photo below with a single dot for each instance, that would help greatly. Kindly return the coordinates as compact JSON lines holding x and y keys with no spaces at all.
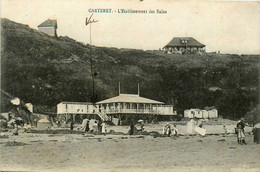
{"x":198,"y":113}
{"x":43,"y":124}
{"x":188,"y":114}
{"x":213,"y":113}
{"x":205,"y":114}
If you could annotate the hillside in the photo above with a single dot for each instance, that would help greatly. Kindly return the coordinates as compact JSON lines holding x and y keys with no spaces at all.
{"x":45,"y":71}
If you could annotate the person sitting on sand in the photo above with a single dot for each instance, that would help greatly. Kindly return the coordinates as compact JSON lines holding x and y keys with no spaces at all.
{"x":140,"y":125}
{"x":174,"y":130}
{"x":167,"y":129}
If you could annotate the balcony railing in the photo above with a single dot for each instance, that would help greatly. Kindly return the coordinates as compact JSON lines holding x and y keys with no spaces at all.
{"x":137,"y":111}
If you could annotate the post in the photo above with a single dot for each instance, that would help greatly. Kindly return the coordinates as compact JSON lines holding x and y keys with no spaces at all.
{"x":119,"y":88}
{"x":90,"y":34}
{"x":73,"y":117}
{"x":138,"y":90}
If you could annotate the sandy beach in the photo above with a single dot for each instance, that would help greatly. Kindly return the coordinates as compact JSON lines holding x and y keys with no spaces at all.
{"x":88,"y":152}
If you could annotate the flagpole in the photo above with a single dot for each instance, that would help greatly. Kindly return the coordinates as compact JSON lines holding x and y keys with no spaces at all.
{"x":90,"y":34}
{"x":89,"y":21}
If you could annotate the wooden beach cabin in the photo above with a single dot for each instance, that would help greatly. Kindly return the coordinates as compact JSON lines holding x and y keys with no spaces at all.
{"x":184,"y":45}
{"x":66,"y":110}
{"x":198,"y":113}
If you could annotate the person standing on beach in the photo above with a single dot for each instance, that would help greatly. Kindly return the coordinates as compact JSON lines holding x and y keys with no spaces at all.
{"x":87,"y":126}
{"x":71,"y":125}
{"x":99,"y":126}
{"x":132,"y":128}
{"x":241,"y":132}
{"x":103,"y":125}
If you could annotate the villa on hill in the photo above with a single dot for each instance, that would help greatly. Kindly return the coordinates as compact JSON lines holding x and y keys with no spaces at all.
{"x":49,"y":27}
{"x":184,"y":45}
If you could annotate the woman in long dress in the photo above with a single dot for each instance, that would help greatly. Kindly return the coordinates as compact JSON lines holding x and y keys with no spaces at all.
{"x":191,"y":126}
{"x":103,"y":125}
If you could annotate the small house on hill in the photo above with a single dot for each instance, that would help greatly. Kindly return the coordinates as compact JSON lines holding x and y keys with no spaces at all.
{"x":49,"y":27}
{"x":184,"y":45}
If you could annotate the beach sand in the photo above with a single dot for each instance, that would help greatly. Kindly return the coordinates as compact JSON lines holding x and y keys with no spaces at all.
{"x":78,"y":152}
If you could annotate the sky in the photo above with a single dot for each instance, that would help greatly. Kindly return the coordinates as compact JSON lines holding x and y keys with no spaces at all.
{"x":228,"y":27}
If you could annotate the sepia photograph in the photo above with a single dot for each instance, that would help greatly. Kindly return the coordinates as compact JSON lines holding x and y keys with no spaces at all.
{"x":130,"y":85}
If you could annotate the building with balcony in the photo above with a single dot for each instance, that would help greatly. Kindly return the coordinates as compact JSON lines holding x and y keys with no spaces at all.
{"x":184,"y":45}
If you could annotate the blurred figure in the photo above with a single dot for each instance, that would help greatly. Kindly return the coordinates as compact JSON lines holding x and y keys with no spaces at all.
{"x":15,"y":131}
{"x":95,"y":127}
{"x":241,"y":132}
{"x":225,"y":131}
{"x":174,"y":130}
{"x":104,"y":129}
{"x":167,"y":130}
{"x":99,"y":126}
{"x":256,"y":132}
{"x":191,"y":126}
{"x":132,"y":128}
{"x":140,"y":125}
{"x":71,"y":125}
{"x":87,"y":127}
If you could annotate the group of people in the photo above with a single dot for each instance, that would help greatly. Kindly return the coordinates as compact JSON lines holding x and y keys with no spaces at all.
{"x":93,"y":126}
{"x":196,"y":127}
{"x":138,"y":127}
{"x":170,"y":130}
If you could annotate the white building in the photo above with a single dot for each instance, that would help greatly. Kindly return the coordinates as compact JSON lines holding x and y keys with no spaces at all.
{"x":134,"y":104}
{"x":75,"y":108}
{"x":122,"y":106}
{"x":198,"y":113}
{"x":49,"y":27}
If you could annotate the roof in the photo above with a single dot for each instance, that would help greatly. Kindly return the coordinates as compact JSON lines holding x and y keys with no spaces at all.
{"x":184,"y":41}
{"x":48,"y":23}
{"x":129,"y":98}
{"x":81,"y":103}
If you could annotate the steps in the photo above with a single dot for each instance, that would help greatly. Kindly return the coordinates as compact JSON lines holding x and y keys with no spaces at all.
{"x":103,"y":116}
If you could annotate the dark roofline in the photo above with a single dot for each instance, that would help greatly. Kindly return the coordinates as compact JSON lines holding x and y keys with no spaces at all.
{"x":176,"y":42}
{"x":49,"y":23}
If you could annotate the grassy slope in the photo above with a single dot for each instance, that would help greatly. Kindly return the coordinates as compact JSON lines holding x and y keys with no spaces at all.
{"x":43,"y":70}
